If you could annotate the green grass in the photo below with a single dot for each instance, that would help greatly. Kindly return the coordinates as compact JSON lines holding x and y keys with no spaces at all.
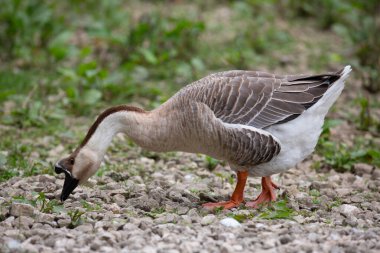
{"x":76,"y":217}
{"x":277,"y":210}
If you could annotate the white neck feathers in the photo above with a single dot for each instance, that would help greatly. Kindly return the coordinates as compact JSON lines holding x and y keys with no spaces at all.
{"x":106,"y":130}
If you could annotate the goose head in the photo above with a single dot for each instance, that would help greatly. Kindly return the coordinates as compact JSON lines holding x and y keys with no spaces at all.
{"x":86,"y":159}
{"x":77,"y":167}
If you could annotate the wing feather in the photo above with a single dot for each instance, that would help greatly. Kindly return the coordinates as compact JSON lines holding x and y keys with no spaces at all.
{"x":259,"y":99}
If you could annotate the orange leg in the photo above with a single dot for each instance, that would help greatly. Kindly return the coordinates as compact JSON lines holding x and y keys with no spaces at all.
{"x":267,"y":194}
{"x":237,"y":197}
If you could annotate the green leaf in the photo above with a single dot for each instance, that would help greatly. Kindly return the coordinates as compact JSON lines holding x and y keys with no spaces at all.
{"x":149,"y":56}
{"x":92,"y":96}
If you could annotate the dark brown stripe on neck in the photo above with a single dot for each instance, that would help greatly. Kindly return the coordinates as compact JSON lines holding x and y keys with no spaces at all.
{"x":105,"y":114}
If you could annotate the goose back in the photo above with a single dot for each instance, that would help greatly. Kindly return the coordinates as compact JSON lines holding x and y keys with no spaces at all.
{"x":257,"y":99}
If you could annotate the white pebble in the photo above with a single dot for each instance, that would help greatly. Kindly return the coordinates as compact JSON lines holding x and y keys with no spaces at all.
{"x":230,"y":222}
{"x":13,"y":244}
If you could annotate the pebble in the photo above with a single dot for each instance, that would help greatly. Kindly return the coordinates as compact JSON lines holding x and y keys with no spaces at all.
{"x":230,"y":222}
{"x":363,"y":168}
{"x":348,"y":210}
{"x":208,"y":219}
{"x":21,"y":209}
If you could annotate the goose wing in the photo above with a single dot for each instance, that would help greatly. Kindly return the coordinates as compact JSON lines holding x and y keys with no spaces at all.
{"x":239,"y":145}
{"x":259,"y":99}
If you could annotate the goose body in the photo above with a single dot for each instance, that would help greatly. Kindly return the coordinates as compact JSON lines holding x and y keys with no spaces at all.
{"x":260,"y":123}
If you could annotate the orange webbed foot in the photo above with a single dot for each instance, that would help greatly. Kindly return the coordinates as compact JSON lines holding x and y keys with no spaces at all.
{"x":267,"y":194}
{"x":236,"y":198}
{"x":225,"y":204}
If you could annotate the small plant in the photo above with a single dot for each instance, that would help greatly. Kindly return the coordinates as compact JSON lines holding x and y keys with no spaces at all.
{"x":90,"y":207}
{"x":211,"y":163}
{"x":218,"y":210}
{"x":241,"y":217}
{"x":76,"y":218}
{"x":48,"y":206}
{"x":364,"y":115}
{"x":341,"y":157}
{"x":278,"y":210}
{"x":315,"y":194}
{"x":154,"y":213}
{"x":335,"y":203}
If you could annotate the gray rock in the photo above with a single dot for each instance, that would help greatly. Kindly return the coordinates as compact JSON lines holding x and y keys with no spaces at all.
{"x":182,"y":210}
{"x":285,"y":239}
{"x":23,"y":222}
{"x":348,"y":210}
{"x":167,"y":218}
{"x":208,"y":219}
{"x":193,"y":214}
{"x":85,"y":228}
{"x":22,"y":209}
{"x":44,"y":217}
{"x":175,"y":196}
{"x":119,"y":199}
{"x":351,"y":220}
{"x":143,"y":203}
{"x":186,"y":219}
{"x":343,"y":192}
{"x":376,"y":173}
{"x":363,"y":168}
{"x":63,"y":222}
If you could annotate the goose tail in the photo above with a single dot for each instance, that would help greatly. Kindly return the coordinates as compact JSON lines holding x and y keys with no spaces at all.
{"x":343,"y":73}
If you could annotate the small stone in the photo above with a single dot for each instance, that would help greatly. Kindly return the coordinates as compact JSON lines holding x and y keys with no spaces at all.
{"x":363,"y":168}
{"x":63,"y":222}
{"x":13,"y":244}
{"x":230,"y":222}
{"x":21,"y":209}
{"x":299,"y":218}
{"x":208,"y":219}
{"x":343,"y":192}
{"x":143,"y":203}
{"x":348,"y":210}
{"x":182,"y":210}
{"x":312,"y":237}
{"x":285,"y":239}
{"x":175,"y":196}
{"x":44,"y":218}
{"x":46,"y":178}
{"x":168,"y":218}
{"x":189,"y":177}
{"x":85,"y":228}
{"x":24,"y":222}
{"x":376,"y":173}
{"x":260,"y":225}
{"x":352,"y":221}
{"x":356,"y":199}
{"x":193,"y":214}
{"x":186,"y":219}
{"x":114,"y":208}
{"x":119,"y":199}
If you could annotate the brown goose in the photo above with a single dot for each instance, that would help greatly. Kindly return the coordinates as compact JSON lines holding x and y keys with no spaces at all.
{"x":260,"y":123}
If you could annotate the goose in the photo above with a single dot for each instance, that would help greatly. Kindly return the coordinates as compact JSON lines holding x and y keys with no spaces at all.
{"x":259,"y":123}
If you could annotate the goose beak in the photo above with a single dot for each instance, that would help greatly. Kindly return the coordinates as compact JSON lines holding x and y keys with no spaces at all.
{"x":70,"y":182}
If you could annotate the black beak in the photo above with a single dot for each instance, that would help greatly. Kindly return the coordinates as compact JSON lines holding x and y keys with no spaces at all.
{"x":70,"y":183}
{"x":68,"y":187}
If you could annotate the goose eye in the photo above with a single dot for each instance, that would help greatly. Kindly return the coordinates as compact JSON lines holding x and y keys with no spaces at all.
{"x":72,"y":161}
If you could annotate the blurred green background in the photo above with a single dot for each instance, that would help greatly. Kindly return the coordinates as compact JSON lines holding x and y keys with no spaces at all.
{"x":62,"y":62}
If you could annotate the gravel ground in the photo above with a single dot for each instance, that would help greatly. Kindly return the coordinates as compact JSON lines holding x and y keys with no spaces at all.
{"x":154,"y":205}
